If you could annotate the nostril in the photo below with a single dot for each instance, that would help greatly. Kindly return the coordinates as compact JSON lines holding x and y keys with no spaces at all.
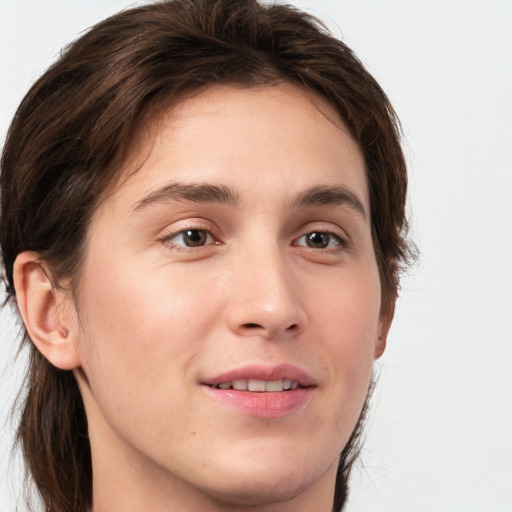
{"x":269,"y":331}
{"x":293,"y":327}
{"x":253,"y":326}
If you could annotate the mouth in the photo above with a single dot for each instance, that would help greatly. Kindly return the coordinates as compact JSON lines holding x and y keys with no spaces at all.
{"x":259,"y":378}
{"x":260,"y":386}
{"x":264,"y":391}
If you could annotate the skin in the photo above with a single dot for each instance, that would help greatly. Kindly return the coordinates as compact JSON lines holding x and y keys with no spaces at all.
{"x":153,"y":317}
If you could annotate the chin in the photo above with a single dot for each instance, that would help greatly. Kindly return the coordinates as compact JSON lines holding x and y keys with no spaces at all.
{"x":270,"y":483}
{"x":261,"y":492}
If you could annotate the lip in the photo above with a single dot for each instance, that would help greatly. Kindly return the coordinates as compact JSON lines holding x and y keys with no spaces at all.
{"x":262,"y":404}
{"x":263,"y":372}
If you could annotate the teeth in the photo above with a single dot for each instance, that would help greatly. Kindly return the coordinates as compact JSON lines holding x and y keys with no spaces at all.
{"x":256,"y":385}
{"x":240,"y":385}
{"x":274,"y":385}
{"x":271,"y":386}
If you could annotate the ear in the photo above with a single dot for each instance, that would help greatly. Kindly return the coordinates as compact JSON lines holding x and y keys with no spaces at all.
{"x":48,"y":314}
{"x":384,"y":326}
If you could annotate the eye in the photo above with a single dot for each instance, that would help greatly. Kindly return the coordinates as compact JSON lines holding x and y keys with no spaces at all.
{"x":191,"y":238}
{"x":320,"y":240}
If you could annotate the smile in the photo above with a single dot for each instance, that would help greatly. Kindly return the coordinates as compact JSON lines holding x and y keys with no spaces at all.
{"x":261,"y":390}
{"x":259,"y":386}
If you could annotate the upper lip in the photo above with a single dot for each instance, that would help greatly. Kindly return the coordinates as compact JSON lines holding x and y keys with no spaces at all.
{"x":263,"y":372}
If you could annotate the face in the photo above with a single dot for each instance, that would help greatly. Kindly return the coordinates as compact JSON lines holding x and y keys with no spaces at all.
{"x":229,"y":302}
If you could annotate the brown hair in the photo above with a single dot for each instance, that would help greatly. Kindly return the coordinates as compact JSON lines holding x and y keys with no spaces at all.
{"x":68,"y":138}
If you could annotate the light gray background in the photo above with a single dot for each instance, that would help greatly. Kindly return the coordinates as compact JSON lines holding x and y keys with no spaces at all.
{"x":440,"y":433}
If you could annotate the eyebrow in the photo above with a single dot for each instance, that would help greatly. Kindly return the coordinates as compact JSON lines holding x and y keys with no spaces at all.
{"x":331,"y":195}
{"x":196,"y":192}
{"x":204,"y":192}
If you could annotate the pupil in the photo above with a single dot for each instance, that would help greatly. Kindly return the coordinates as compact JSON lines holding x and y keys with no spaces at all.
{"x":194,"y":237}
{"x":318,"y":240}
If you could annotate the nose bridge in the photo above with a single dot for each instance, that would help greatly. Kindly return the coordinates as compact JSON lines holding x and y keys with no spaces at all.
{"x":266,"y":299}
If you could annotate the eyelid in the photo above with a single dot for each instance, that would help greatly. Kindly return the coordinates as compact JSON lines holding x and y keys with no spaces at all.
{"x":342,"y":242}
{"x":174,"y":238}
{"x":325,"y":227}
{"x":189,"y":225}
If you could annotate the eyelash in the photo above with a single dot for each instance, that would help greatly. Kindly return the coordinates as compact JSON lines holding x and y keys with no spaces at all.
{"x":341,"y":242}
{"x":171,"y":239}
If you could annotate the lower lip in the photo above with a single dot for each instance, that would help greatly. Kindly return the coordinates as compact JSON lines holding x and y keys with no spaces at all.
{"x":264,"y":404}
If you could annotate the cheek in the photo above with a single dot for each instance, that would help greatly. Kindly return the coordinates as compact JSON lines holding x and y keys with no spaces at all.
{"x":348,"y":306}
{"x":137,"y":328}
{"x":141,"y":338}
{"x":347,"y":312}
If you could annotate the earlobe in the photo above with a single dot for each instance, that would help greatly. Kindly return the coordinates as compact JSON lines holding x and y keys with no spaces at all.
{"x":380,"y":346}
{"x":46,"y":317}
{"x":384,"y":326}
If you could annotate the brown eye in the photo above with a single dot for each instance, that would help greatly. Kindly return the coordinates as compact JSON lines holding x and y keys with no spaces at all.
{"x":191,"y":238}
{"x":320,"y":240}
{"x":194,"y":237}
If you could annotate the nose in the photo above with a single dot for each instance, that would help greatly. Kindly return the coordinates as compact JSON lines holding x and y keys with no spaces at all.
{"x":266,"y":298}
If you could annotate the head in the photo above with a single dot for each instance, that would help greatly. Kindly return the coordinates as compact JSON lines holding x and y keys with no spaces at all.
{"x":95,"y":132}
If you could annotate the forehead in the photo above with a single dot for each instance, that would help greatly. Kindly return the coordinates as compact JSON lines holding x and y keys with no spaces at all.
{"x":245,"y":137}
